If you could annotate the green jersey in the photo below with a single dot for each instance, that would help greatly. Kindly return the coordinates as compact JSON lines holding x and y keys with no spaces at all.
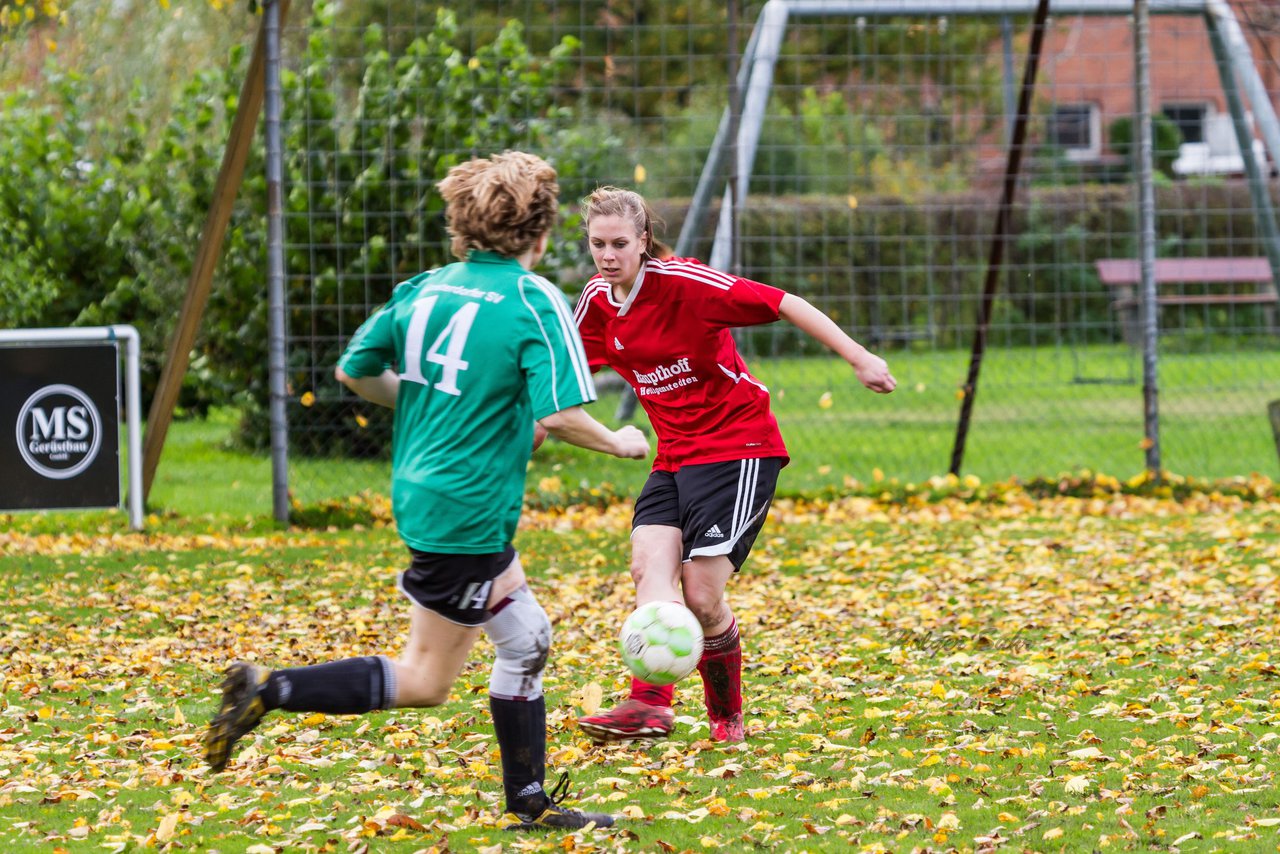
{"x":482,"y":347}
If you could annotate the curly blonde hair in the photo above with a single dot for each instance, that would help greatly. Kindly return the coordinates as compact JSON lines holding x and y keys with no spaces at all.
{"x":630,"y":206}
{"x":502,"y":203}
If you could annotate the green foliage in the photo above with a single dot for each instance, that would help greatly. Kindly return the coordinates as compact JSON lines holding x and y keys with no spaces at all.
{"x":100,"y":218}
{"x":821,"y":145}
{"x":53,"y":205}
{"x":1166,"y":138}
{"x":626,"y":45}
{"x":27,"y":284}
{"x":658,"y":72}
{"x":847,"y":151}
{"x":372,"y":158}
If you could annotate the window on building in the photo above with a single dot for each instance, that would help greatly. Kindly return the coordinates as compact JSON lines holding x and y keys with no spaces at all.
{"x":1075,"y":129}
{"x":1190,"y":119}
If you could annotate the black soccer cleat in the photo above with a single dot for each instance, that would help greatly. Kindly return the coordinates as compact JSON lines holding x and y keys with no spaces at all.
{"x":241,"y":710}
{"x":554,"y":817}
{"x":549,"y":815}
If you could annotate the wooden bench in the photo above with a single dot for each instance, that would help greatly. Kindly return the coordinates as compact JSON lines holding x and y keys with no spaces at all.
{"x":1253,"y":274}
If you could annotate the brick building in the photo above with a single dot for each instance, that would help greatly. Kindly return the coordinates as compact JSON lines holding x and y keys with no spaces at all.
{"x":1087,"y":72}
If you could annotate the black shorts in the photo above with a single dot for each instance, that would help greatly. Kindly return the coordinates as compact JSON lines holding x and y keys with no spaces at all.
{"x":718,"y":507}
{"x":454,"y":586}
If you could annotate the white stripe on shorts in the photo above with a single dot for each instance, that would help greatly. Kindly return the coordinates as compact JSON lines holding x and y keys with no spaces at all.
{"x":743,"y":513}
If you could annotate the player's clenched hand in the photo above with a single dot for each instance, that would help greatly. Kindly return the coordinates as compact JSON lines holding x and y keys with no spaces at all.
{"x":873,"y":372}
{"x":631,"y":443}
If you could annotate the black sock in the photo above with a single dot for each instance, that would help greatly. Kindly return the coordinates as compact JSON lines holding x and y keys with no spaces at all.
{"x":521,"y":728}
{"x":351,"y":686}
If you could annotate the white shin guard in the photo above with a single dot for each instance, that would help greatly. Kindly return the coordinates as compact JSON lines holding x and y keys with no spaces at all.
{"x":521,"y":634}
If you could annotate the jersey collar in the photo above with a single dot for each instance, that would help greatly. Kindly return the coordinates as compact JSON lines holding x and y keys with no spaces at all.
{"x":484,"y":256}
{"x":635,"y":290}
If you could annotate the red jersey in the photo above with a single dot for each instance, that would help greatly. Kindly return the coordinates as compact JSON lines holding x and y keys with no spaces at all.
{"x":671,"y":341}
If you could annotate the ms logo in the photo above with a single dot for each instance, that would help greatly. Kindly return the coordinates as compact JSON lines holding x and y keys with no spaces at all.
{"x":59,"y":431}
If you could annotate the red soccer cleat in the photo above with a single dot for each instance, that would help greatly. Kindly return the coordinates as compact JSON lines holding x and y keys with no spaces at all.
{"x":630,"y":719}
{"x":730,"y":730}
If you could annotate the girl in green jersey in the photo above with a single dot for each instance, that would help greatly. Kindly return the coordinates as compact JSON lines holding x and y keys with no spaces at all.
{"x":470,"y":356}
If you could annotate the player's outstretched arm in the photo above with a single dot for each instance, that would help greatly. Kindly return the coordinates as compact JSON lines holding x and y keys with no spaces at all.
{"x":872,"y":371}
{"x":381,"y":389}
{"x":575,"y":426}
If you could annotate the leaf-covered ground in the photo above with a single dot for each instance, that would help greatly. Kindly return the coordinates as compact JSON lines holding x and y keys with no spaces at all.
{"x":1011,"y":674}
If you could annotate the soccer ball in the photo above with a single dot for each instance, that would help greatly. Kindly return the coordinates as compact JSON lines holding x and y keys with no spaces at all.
{"x":661,"y":642}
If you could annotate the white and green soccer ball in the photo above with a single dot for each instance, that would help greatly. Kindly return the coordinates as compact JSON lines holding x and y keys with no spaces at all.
{"x":661,"y":642}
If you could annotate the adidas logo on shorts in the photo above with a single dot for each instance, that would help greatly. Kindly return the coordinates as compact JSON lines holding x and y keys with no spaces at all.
{"x":714,"y":531}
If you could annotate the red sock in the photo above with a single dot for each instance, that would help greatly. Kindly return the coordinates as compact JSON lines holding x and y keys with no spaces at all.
{"x":653,"y":695}
{"x":721,"y":670}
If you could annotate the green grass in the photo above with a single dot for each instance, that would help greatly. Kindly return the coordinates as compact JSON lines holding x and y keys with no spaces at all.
{"x":1068,"y":673}
{"x":1037,"y":413}
{"x":917,"y":678}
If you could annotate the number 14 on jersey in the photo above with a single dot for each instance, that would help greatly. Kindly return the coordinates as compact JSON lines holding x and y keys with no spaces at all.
{"x":445,"y":351}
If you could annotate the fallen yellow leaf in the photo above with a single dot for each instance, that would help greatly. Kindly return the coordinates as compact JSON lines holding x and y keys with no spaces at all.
{"x":168,"y":826}
{"x":590,"y":698}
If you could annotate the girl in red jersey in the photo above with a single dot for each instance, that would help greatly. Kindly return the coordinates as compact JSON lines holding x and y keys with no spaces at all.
{"x":664,"y":324}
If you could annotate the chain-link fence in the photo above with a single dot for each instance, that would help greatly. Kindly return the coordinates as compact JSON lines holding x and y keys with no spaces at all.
{"x":872,"y":193}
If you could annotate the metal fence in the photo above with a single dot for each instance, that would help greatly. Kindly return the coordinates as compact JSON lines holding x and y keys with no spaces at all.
{"x":872,"y":191}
